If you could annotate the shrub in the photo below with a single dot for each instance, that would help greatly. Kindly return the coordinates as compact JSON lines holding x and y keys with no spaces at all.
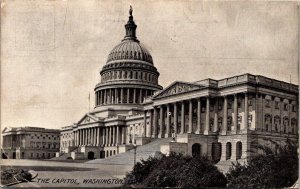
{"x":176,"y":170}
{"x":273,"y":169}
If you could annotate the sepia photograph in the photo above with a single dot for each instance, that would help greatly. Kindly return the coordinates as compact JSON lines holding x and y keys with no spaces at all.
{"x":149,"y":93}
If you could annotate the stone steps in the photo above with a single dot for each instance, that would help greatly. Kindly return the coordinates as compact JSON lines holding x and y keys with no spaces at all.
{"x":142,"y":152}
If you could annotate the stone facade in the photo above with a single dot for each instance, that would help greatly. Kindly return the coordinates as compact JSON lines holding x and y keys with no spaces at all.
{"x":219,"y":118}
{"x":30,"y":143}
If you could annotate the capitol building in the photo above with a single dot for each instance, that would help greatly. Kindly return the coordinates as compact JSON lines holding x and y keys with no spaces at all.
{"x":222,"y":119}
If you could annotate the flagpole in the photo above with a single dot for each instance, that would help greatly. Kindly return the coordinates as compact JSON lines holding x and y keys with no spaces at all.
{"x":89,"y":102}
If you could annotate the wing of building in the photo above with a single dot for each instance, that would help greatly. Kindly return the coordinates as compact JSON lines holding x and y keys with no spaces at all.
{"x":29,"y":143}
{"x":219,"y":118}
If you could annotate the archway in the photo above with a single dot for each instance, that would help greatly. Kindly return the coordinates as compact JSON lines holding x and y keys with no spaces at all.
{"x":91,"y":155}
{"x":216,"y":151}
{"x":196,"y":150}
{"x":238,"y":150}
{"x":14,"y":155}
{"x":228,"y":150}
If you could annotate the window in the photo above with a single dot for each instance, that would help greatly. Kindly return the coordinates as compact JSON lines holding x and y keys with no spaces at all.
{"x":31,"y":155}
{"x":276,"y":105}
{"x":220,"y":106}
{"x":294,"y":108}
{"x":239,"y":104}
{"x":250,"y":102}
{"x":267,"y":103}
{"x":286,"y":107}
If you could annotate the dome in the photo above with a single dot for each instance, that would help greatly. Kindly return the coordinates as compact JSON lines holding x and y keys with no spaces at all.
{"x":130,"y":50}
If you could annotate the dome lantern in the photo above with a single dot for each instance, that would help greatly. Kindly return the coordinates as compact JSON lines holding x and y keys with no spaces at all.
{"x":130,"y":27}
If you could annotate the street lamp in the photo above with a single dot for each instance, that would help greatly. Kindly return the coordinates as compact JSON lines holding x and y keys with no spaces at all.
{"x":134,"y":153}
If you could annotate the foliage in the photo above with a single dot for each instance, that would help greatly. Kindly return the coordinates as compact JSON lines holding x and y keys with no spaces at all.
{"x":176,"y":170}
{"x":274,"y":168}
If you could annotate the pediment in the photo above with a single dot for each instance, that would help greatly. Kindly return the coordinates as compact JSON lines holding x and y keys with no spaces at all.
{"x":87,"y":118}
{"x":177,"y":88}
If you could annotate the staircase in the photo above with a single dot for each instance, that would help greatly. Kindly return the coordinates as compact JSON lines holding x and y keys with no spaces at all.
{"x":64,"y":156}
{"x":142,"y":152}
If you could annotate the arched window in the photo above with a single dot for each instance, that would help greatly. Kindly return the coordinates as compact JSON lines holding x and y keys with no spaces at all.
{"x":238,"y":150}
{"x":268,"y":122}
{"x":229,"y":123}
{"x":228,"y":150}
{"x":294,"y":125}
{"x":220,"y":121}
{"x":277,"y":123}
{"x":285,"y":124}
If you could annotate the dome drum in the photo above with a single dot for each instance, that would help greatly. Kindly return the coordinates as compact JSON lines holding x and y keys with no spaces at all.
{"x":129,"y":76}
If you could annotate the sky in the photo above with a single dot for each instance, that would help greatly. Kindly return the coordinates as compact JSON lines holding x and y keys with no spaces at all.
{"x":52,"y":51}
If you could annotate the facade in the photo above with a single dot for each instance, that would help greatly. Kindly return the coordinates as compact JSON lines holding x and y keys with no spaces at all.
{"x":220,"y":118}
{"x":30,"y":143}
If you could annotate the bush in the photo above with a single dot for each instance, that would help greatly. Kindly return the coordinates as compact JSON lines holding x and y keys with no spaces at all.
{"x":176,"y":170}
{"x":273,"y":169}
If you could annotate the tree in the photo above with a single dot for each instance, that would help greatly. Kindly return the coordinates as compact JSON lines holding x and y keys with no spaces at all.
{"x":176,"y":170}
{"x":274,"y":168}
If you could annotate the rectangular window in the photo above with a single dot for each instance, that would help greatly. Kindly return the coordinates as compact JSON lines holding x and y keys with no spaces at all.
{"x":294,"y":109}
{"x":286,"y":107}
{"x":276,"y":105}
{"x":267,"y":103}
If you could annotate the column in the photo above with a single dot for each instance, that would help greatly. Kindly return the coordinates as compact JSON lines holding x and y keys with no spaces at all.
{"x":168,"y":131}
{"x":149,"y":131}
{"x":103,"y":136}
{"x":134,"y":95}
{"x":128,"y":93}
{"x":224,"y":130}
{"x":96,"y":98}
{"x":80,"y":137}
{"x":198,"y":116}
{"x":116,"y":96}
{"x":246,"y":113}
{"x":100,"y":97}
{"x":117,"y":138}
{"x":83,"y":136}
{"x":110,"y":99}
{"x":216,"y":127}
{"x":122,"y":95}
{"x":113,"y":135}
{"x":182,"y":118}
{"x":109,"y":136}
{"x":146,"y":127}
{"x":86,"y":137}
{"x":95,"y":136}
{"x":122,"y":135}
{"x":206,"y":130}
{"x":106,"y":136}
{"x":155,"y":123}
{"x":161,"y":122}
{"x":105,"y":102}
{"x":175,"y":118}
{"x":90,"y":135}
{"x":235,"y":112}
{"x":190,"y":116}
{"x":141,"y":95}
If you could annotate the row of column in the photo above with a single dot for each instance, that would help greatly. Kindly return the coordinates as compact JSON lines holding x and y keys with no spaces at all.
{"x":121,"y":96}
{"x":156,"y":118}
{"x":95,"y":136}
